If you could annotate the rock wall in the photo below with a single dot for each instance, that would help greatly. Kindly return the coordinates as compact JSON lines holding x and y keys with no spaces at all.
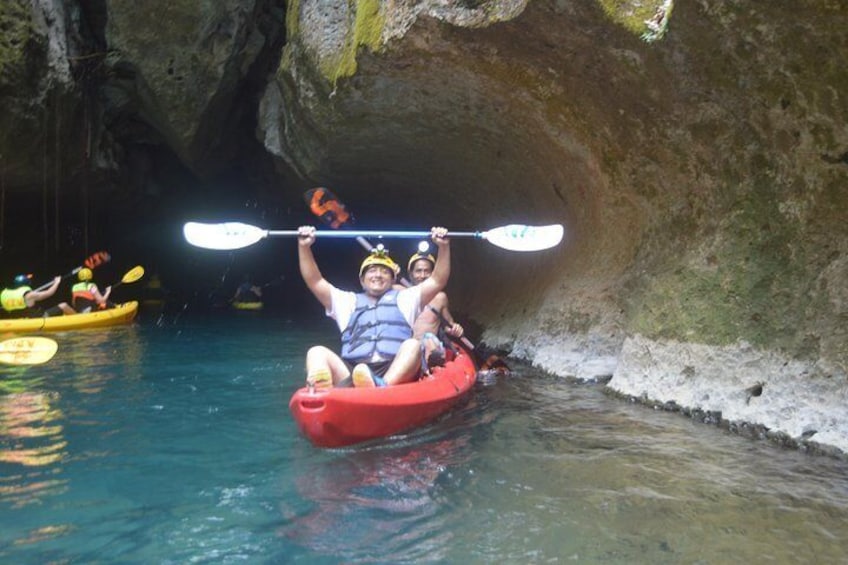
{"x":37,"y":89}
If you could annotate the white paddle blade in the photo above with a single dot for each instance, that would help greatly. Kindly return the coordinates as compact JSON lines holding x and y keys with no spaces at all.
{"x":225,"y":236}
{"x":27,"y":350}
{"x":518,"y":237}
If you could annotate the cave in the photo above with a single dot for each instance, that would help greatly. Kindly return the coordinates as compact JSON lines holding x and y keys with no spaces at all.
{"x":693,"y":152}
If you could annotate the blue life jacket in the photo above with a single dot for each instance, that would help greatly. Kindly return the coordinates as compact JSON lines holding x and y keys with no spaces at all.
{"x":378,"y":327}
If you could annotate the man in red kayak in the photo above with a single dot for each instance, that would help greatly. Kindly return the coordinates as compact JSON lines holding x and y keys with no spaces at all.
{"x":376,"y":324}
{"x":435,"y":319}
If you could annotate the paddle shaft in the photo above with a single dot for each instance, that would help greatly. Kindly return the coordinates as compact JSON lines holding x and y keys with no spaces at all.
{"x":96,"y":259}
{"x":45,"y":286}
{"x":236,"y":235}
{"x":377,"y":234}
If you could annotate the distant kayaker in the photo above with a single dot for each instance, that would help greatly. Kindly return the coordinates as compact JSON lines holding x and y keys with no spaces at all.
{"x":21,"y":299}
{"x":376,"y":324}
{"x":247,"y":291}
{"x":435,"y":319}
{"x":85,"y":296}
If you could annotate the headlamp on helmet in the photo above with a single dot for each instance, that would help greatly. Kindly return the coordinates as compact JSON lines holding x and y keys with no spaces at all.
{"x":379,"y":256}
{"x":23,"y":280}
{"x":420,"y":255}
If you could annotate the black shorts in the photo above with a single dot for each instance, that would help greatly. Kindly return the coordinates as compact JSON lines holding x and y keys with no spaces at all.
{"x":84,"y":305}
{"x":378,"y":369}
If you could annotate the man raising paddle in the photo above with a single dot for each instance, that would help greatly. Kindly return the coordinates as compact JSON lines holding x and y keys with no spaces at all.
{"x":376,"y":324}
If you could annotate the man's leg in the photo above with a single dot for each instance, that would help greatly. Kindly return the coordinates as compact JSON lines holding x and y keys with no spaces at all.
{"x":324,"y":368}
{"x":406,"y":363}
{"x":59,"y":309}
{"x":433,"y":352}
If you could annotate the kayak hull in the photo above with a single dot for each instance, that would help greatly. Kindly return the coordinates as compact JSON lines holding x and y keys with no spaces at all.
{"x":346,"y":416}
{"x":121,"y":314}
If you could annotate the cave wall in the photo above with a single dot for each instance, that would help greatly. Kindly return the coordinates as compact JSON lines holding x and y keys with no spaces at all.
{"x":40,"y":100}
{"x":699,"y":176}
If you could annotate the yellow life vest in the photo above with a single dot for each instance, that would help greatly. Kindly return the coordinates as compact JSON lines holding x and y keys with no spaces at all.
{"x":13,"y":298}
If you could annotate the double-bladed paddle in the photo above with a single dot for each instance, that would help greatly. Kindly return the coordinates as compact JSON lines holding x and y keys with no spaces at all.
{"x":27,"y":350}
{"x":93,"y":261}
{"x":236,"y":235}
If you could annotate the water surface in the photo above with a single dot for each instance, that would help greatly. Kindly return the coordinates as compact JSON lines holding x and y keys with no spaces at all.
{"x":172,"y":443}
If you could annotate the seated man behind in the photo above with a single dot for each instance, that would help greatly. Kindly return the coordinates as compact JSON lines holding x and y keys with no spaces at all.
{"x":435,"y":319}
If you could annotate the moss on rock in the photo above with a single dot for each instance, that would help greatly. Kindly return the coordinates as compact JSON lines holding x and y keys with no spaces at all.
{"x":18,"y":44}
{"x":647,"y":19}
{"x":366,"y":31}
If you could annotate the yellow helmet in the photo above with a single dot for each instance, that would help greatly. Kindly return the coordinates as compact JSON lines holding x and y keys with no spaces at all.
{"x":84,"y":274}
{"x":379,"y":257}
{"x":418,"y":256}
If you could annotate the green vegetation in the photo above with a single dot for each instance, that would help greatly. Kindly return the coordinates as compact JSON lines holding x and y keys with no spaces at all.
{"x":367,"y":31}
{"x":748,"y":288}
{"x":646,"y":18}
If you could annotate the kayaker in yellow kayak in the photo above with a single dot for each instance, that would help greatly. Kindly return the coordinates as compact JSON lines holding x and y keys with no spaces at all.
{"x":85,"y":296}
{"x":376,"y":324}
{"x":247,"y":291}
{"x":21,"y":300}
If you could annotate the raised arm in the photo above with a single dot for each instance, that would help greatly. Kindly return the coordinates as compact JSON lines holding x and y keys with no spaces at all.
{"x":441,"y":271}
{"x":309,"y":270}
{"x":34,"y":296}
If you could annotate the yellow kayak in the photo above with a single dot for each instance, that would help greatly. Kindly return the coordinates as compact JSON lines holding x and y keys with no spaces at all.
{"x":121,"y":314}
{"x":247,"y":305}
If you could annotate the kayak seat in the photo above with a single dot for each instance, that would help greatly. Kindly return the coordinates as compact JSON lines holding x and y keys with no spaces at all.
{"x":364,"y":378}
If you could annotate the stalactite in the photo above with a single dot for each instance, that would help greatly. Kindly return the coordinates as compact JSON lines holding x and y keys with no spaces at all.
{"x":85,"y":165}
{"x":2,"y":203}
{"x":57,"y":200}
{"x":44,"y":224}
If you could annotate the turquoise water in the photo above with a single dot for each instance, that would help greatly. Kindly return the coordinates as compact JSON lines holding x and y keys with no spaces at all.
{"x":171,"y":442}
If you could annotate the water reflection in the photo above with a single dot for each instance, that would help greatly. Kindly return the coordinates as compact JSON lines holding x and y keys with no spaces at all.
{"x":383,"y":501}
{"x":96,"y":357}
{"x":31,"y":444}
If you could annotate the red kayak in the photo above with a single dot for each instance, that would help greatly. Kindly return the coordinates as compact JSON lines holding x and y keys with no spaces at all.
{"x":345,"y":416}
